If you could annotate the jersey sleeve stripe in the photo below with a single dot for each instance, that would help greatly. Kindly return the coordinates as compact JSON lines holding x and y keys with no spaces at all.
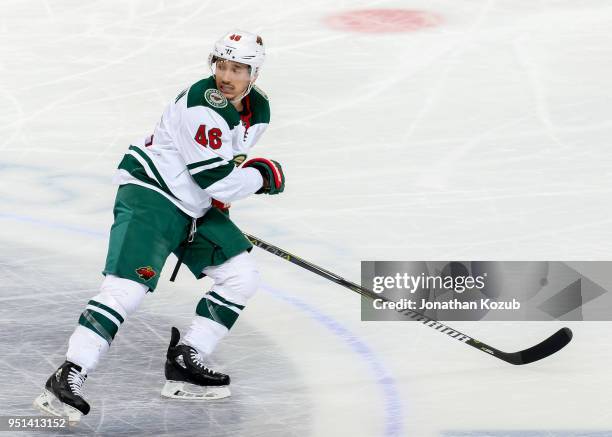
{"x":201,"y":168}
{"x":208,"y":177}
{"x":202,"y":163}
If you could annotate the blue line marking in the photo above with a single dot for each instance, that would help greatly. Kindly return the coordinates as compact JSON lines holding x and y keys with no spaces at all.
{"x":392,"y":399}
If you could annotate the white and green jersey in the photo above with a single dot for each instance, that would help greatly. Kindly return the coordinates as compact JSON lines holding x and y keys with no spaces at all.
{"x":189,"y":157}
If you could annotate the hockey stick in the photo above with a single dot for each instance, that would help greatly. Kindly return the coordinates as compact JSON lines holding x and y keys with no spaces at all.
{"x":552,"y":344}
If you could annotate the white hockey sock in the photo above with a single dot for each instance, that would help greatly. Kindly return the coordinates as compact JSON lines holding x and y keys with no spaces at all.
{"x":85,"y":348}
{"x":204,"y":334}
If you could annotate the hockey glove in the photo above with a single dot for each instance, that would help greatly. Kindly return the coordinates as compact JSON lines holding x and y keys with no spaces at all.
{"x":272,"y":173}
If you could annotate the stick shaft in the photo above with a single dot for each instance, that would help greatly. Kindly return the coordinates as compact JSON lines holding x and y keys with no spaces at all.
{"x":537,"y":352}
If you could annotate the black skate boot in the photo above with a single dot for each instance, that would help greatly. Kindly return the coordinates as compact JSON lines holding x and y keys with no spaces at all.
{"x":187,"y":377}
{"x":62,"y":395}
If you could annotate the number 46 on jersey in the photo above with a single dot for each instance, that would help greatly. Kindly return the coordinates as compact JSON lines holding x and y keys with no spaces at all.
{"x":210,"y":138}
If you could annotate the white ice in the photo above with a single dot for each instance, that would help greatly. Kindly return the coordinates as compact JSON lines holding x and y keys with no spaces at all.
{"x":484,"y":138}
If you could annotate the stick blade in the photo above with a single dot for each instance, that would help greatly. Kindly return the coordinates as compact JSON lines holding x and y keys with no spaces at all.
{"x":551,"y":345}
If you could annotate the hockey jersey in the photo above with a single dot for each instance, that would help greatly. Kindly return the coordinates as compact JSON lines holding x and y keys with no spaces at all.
{"x":190,"y":158}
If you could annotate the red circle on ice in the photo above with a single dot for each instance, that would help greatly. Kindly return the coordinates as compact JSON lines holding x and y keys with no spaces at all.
{"x":383,"y":20}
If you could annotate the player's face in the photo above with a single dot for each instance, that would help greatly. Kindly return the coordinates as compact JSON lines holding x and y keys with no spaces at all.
{"x":232,"y":78}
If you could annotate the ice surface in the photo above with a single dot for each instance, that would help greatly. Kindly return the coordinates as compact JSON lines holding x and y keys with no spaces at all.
{"x":486,"y":137}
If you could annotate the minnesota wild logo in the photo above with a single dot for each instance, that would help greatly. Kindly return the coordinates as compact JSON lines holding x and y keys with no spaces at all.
{"x":146,"y":273}
{"x":215,"y":98}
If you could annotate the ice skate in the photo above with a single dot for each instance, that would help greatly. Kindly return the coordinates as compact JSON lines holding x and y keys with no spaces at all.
{"x":187,"y":377}
{"x":62,"y":394}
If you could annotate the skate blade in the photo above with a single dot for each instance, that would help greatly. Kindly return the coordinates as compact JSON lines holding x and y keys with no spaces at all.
{"x":186,"y":391}
{"x":49,"y":404}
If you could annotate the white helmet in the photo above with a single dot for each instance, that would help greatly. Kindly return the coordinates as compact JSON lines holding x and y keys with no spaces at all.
{"x":240,"y":46}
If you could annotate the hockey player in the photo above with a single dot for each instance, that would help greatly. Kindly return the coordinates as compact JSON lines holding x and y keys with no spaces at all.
{"x":163,"y":205}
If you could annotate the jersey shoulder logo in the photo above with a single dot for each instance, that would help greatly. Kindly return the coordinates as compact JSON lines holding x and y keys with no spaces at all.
{"x":215,"y":98}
